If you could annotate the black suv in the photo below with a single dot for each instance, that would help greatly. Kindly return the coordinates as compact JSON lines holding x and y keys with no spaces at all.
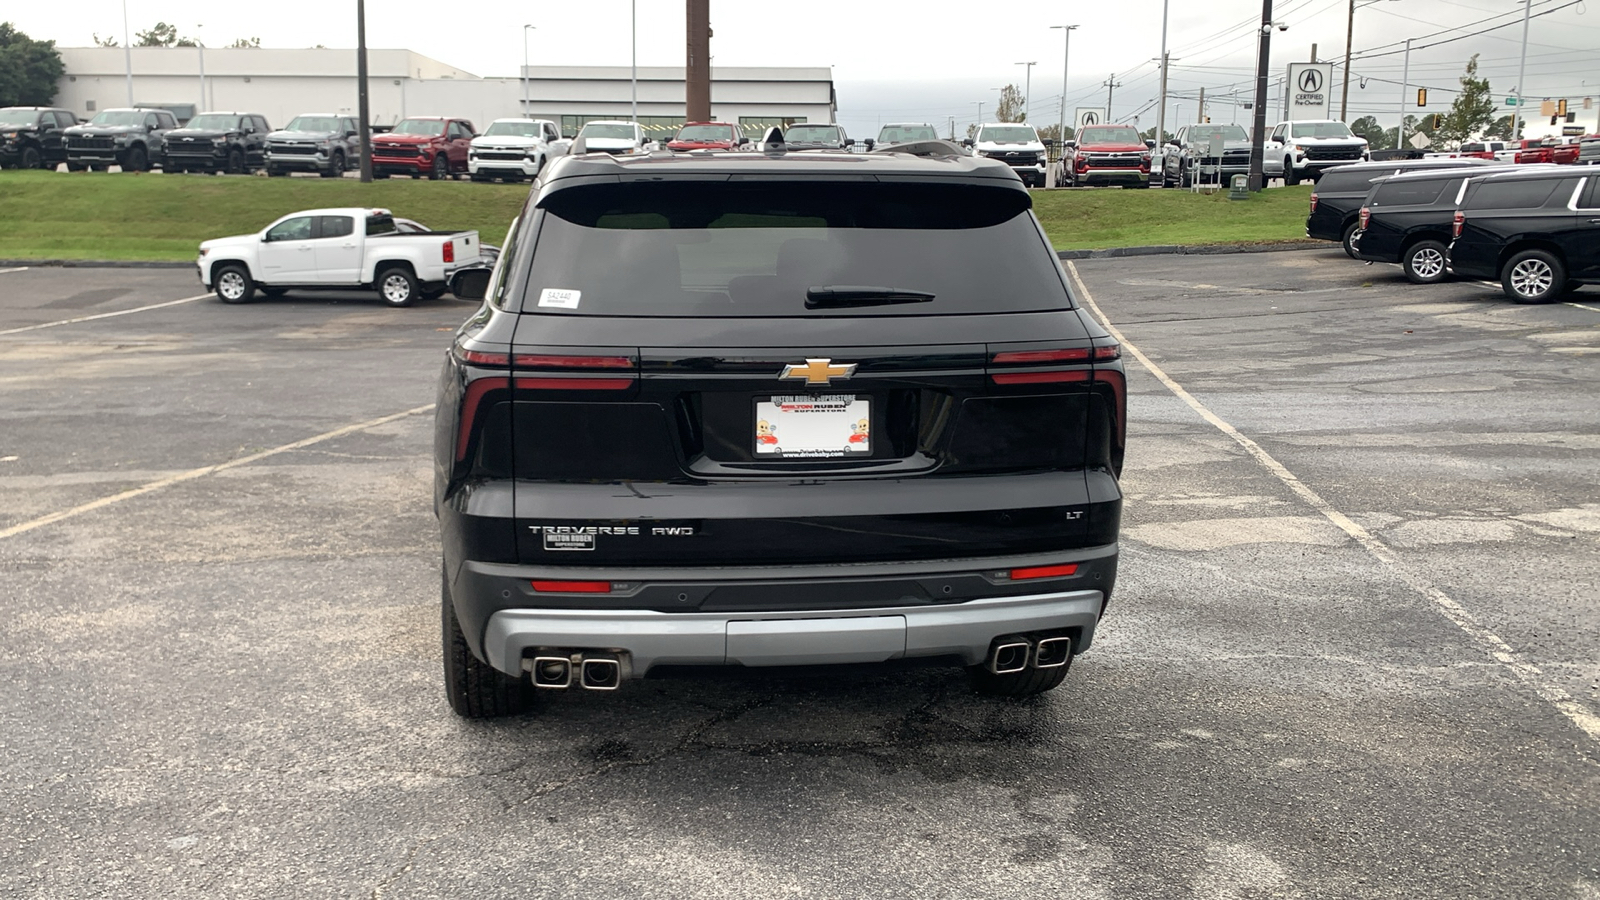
{"x":130,"y":138}
{"x":1337,"y":198}
{"x":1536,"y":232}
{"x":1406,"y":219}
{"x":217,"y":142}
{"x":774,"y":409}
{"x":34,"y":137}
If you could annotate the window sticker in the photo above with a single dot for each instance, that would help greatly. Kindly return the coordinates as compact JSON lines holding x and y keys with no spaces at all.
{"x":560,"y":299}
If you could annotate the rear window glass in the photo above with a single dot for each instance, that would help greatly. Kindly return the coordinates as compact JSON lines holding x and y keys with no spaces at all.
{"x":754,"y":250}
{"x":1349,"y":182}
{"x":1514,"y":194}
{"x":1411,"y":192}
{"x":380,"y":225}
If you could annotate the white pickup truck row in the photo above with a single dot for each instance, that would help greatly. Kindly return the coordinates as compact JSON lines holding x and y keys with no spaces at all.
{"x":337,"y":249}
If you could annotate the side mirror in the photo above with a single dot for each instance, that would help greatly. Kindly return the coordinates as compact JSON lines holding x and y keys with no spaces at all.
{"x":1050,"y":142}
{"x":966,"y":142}
{"x":870,"y":144}
{"x":471,"y":284}
{"x":849,"y":142}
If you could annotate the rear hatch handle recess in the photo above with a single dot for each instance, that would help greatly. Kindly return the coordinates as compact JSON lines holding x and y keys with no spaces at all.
{"x":835,"y":296}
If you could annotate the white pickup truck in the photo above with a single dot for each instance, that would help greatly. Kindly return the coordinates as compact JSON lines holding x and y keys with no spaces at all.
{"x":337,"y":249}
{"x":515,"y":149}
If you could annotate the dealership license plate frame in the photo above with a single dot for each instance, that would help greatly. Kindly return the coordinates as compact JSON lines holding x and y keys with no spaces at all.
{"x":833,"y":431}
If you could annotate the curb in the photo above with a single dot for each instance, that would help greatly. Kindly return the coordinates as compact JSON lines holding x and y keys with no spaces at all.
{"x":93,"y":264}
{"x":1196,"y":250}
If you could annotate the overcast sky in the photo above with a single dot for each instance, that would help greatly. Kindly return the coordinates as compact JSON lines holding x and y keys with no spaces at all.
{"x":927,"y":61}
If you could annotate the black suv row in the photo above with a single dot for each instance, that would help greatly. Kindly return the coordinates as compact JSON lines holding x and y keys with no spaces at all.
{"x":130,"y":138}
{"x":1406,"y":219}
{"x":1336,"y":200}
{"x":1536,"y":232}
{"x":216,"y":142}
{"x":763,"y":409}
{"x":34,"y":137}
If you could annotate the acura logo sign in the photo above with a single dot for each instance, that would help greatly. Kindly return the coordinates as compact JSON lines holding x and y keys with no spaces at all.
{"x":1310,"y":81}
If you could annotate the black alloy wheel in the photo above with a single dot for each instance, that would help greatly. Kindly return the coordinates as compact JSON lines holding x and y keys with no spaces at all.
{"x":235,"y":162}
{"x":441,"y":168}
{"x":136,"y":160}
{"x":1290,"y":176}
{"x":335,"y":167}
{"x":31,"y":158}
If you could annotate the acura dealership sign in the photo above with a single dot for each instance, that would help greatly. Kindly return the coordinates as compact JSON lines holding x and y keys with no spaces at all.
{"x":1310,"y":90}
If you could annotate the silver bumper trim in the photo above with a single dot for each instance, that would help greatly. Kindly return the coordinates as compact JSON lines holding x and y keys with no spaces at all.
{"x":785,"y":638}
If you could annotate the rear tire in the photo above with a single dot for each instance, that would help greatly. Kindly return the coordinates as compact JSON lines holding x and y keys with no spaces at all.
{"x":1424,"y":262}
{"x":397,"y":287}
{"x":1533,"y":276}
{"x":1026,"y":683}
{"x":31,"y":158}
{"x":1348,"y":240}
{"x":233,"y":284}
{"x":475,"y":689}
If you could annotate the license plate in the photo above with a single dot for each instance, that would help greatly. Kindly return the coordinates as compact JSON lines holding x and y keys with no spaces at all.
{"x":825,"y":425}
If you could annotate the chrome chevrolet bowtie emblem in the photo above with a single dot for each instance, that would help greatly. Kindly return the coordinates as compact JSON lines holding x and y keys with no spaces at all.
{"x":819,"y":371}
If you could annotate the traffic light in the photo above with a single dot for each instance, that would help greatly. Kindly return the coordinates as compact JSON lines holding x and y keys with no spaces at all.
{"x":1561,"y":108}
{"x":1422,"y":97}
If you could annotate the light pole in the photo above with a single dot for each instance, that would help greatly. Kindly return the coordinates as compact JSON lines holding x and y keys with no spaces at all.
{"x":1258,"y":179}
{"x":1161,"y":112}
{"x":127,"y":50}
{"x":633,"y":17}
{"x":1522,"y":71}
{"x":1027,"y":87}
{"x":525,"y":30}
{"x":1066,"y":49}
{"x":1405,"y":84}
{"x":363,"y":107}
{"x":201,"y":46}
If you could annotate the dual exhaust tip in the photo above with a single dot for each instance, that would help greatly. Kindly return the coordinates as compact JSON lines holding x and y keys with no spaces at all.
{"x":596,"y":672}
{"x":1015,"y":653}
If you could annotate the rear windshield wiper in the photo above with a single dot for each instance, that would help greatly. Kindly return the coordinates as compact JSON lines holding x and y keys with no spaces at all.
{"x":834,"y":296}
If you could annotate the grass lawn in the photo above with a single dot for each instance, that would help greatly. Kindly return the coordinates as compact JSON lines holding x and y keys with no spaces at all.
{"x":153,"y":216}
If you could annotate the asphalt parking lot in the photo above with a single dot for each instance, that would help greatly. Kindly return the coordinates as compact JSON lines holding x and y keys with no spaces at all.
{"x":1352,"y":651}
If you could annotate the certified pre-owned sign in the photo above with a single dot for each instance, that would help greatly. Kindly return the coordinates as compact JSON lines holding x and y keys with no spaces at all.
{"x":1310,"y":90}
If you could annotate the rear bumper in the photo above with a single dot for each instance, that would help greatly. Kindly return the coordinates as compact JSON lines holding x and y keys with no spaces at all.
{"x":789,"y":638}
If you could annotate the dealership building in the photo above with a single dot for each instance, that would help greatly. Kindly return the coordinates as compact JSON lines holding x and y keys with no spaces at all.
{"x":281,"y":84}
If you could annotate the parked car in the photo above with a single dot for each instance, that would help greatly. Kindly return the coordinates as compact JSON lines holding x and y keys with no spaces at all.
{"x":488,"y":252}
{"x":1405,"y":218}
{"x":905,"y":133}
{"x":1181,"y":161}
{"x":1106,"y":154}
{"x":816,"y":136}
{"x":1589,"y":150}
{"x":325,"y":143}
{"x":1018,"y":146}
{"x":217,"y":142}
{"x":336,"y":249}
{"x":1335,"y":213}
{"x":514,"y":149}
{"x":707,"y":136}
{"x":1308,"y":147}
{"x":891,"y":436}
{"x":1534,"y":231}
{"x":1483,"y":150}
{"x":431,"y":146}
{"x":130,"y":138}
{"x":34,"y":137}
{"x":1546,"y":150}
{"x":612,"y":136}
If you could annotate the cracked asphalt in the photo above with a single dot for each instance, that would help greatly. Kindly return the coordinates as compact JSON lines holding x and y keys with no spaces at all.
{"x":229,"y":686}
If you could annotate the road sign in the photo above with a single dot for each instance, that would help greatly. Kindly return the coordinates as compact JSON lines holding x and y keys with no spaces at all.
{"x":1089,"y":115}
{"x":1512,"y":101}
{"x":1310,"y":94}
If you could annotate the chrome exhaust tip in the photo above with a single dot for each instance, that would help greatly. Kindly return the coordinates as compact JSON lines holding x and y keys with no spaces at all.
{"x":553,"y":672}
{"x":1010,"y":654}
{"x":601,"y":674}
{"x":1052,"y":652}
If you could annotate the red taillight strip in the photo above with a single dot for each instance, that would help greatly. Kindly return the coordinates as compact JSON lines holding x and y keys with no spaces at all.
{"x":1107,"y":351}
{"x":572,"y":587}
{"x":575,"y":362}
{"x":470,"y":399}
{"x":1065,"y":375}
{"x":1038,"y":356}
{"x":480,"y":358}
{"x":576,"y":383}
{"x":1044,"y":572}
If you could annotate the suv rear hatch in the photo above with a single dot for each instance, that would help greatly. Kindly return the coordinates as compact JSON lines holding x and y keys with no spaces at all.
{"x":749,"y":373}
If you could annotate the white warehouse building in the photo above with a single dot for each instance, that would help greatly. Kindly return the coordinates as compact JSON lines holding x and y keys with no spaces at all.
{"x":281,"y":84}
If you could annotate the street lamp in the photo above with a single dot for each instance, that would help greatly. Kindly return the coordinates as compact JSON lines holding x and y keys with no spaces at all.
{"x":127,"y":50}
{"x":1258,"y":179}
{"x":525,"y":30}
{"x":201,"y":46}
{"x":1161,"y":114}
{"x":1522,"y":71}
{"x":633,"y":17}
{"x":1027,"y":87}
{"x":1066,"y":48}
{"x":1405,"y":84}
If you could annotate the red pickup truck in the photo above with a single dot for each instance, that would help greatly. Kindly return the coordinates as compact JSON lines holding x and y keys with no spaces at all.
{"x":1546,"y":150}
{"x":707,"y":136}
{"x":434,"y":146}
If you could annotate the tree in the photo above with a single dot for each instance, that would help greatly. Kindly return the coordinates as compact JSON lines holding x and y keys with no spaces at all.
{"x":1368,"y":127}
{"x":162,"y":35}
{"x":1149,"y":134}
{"x":1501,"y":130}
{"x":1473,"y":110}
{"x":1049,"y":132}
{"x":1011,"y":107}
{"x":1391,"y":137}
{"x":246,"y":43}
{"x":29,"y":69}
{"x":107,"y":41}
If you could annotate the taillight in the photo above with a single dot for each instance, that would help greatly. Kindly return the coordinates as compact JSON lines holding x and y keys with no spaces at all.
{"x":1365,"y":215}
{"x":1071,"y":358}
{"x":1039,"y":356}
{"x":1457,"y":224}
{"x":574,"y":362}
{"x":1048,"y":377}
{"x":1108,"y":351}
{"x":449,"y":252}
{"x":572,"y":587}
{"x":572,"y":373}
{"x":1313,"y":202}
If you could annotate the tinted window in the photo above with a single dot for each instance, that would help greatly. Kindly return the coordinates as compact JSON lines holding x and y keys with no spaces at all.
{"x":261,"y":124}
{"x":1350,"y":182}
{"x":335,"y":226}
{"x":380,"y":225}
{"x":419,"y":126}
{"x":1109,"y":134}
{"x":756,"y":249}
{"x":150,"y":121}
{"x":165,"y":120}
{"x":1591,"y":195}
{"x":1410,"y":192}
{"x":295,"y":229}
{"x":1514,"y":194}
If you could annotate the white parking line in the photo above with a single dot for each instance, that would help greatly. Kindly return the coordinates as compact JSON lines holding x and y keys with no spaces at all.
{"x":192,"y":474}
{"x":1493,"y":644}
{"x":14,"y":269}
{"x":120,"y":312}
{"x":1584,"y":306}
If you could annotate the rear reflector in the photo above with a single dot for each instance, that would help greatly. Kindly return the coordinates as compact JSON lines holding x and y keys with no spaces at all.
{"x":1457,"y":224}
{"x":1038,"y":356}
{"x":574,"y":362}
{"x":575,"y":384}
{"x":572,"y":587}
{"x":1366,"y":214}
{"x":1313,"y":202}
{"x":1040,"y":377}
{"x":1044,"y":572}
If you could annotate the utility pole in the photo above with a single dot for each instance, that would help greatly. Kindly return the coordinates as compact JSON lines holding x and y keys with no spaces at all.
{"x":1349,"y":35}
{"x":127,"y":50}
{"x":1200,"y":117}
{"x":525,"y":101}
{"x":1258,"y":179}
{"x":633,"y":17}
{"x":1112,"y":84}
{"x":980,"y":113}
{"x":362,"y":108}
{"x":697,"y":72}
{"x":1066,"y":50}
{"x":1405,"y":85}
{"x":200,"y":45}
{"x":952,"y":129}
{"x":1522,"y":71}
{"x":1027,"y":88}
{"x":1161,"y":111}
